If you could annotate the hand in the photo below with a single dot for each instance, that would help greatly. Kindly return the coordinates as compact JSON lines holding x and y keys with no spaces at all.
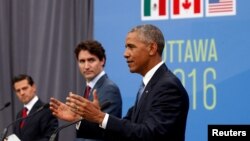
{"x":62,"y":111}
{"x":89,"y":110}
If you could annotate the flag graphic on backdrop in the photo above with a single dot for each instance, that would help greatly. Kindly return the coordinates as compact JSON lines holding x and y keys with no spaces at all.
{"x":154,"y":9}
{"x":220,"y":7}
{"x":186,"y":9}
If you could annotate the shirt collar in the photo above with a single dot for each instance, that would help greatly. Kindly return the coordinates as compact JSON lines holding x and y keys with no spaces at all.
{"x":31,"y":103}
{"x":93,"y":82}
{"x":150,"y":73}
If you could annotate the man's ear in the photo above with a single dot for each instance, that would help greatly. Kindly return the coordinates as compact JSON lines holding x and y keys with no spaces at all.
{"x":103,"y":62}
{"x":153,"y":49}
{"x":34,"y":87}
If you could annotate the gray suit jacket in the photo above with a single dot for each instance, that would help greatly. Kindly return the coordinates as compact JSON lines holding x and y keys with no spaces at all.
{"x":107,"y":92}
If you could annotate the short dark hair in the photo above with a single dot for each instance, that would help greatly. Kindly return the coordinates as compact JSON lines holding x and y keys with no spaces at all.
{"x":21,"y":77}
{"x":149,"y":33}
{"x":93,"y":47}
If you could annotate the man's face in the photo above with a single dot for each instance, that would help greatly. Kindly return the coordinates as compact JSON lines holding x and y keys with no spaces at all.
{"x":89,"y":65}
{"x":136,"y":54}
{"x":24,"y":91}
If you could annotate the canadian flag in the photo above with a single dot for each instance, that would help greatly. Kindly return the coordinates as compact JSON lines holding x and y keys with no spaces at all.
{"x":186,"y":9}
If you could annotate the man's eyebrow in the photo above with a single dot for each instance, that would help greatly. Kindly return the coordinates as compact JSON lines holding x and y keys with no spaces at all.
{"x":129,"y":45}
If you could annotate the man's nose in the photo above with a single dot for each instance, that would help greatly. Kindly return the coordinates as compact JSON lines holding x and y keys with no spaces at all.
{"x":86,"y":65}
{"x":125,"y":54}
{"x":22,"y":92}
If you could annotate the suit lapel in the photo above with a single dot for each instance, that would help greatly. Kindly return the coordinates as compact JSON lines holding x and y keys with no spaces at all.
{"x":147,"y":91}
{"x":97,"y":85}
{"x":18,"y":124}
{"x":29,"y":120}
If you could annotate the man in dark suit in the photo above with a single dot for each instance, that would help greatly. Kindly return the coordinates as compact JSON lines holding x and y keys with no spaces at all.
{"x":91,"y":60}
{"x":160,"y":113}
{"x":41,"y":125}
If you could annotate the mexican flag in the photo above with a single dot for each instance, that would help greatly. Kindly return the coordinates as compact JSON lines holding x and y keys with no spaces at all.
{"x":154,"y":9}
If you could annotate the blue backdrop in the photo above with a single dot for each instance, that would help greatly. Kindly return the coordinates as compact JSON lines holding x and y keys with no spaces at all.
{"x":207,"y":48}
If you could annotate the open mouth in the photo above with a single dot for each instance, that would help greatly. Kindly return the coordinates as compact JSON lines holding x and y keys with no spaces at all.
{"x":129,"y":62}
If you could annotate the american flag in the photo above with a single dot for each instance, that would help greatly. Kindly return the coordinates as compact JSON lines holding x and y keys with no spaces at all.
{"x":221,"y":7}
{"x":216,"y":6}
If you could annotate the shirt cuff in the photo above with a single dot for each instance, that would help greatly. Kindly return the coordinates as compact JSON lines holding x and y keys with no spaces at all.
{"x":104,"y":122}
{"x":78,"y":124}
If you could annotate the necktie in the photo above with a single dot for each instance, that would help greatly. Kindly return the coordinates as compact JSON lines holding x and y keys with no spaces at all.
{"x":139,"y":94}
{"x":24,"y":114}
{"x":86,"y":92}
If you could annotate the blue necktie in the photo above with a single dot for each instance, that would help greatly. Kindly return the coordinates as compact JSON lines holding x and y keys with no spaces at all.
{"x":141,"y":89}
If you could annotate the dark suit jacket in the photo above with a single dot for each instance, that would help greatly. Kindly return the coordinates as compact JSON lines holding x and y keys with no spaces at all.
{"x":38,"y":127}
{"x":160,"y":115}
{"x":107,"y":91}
